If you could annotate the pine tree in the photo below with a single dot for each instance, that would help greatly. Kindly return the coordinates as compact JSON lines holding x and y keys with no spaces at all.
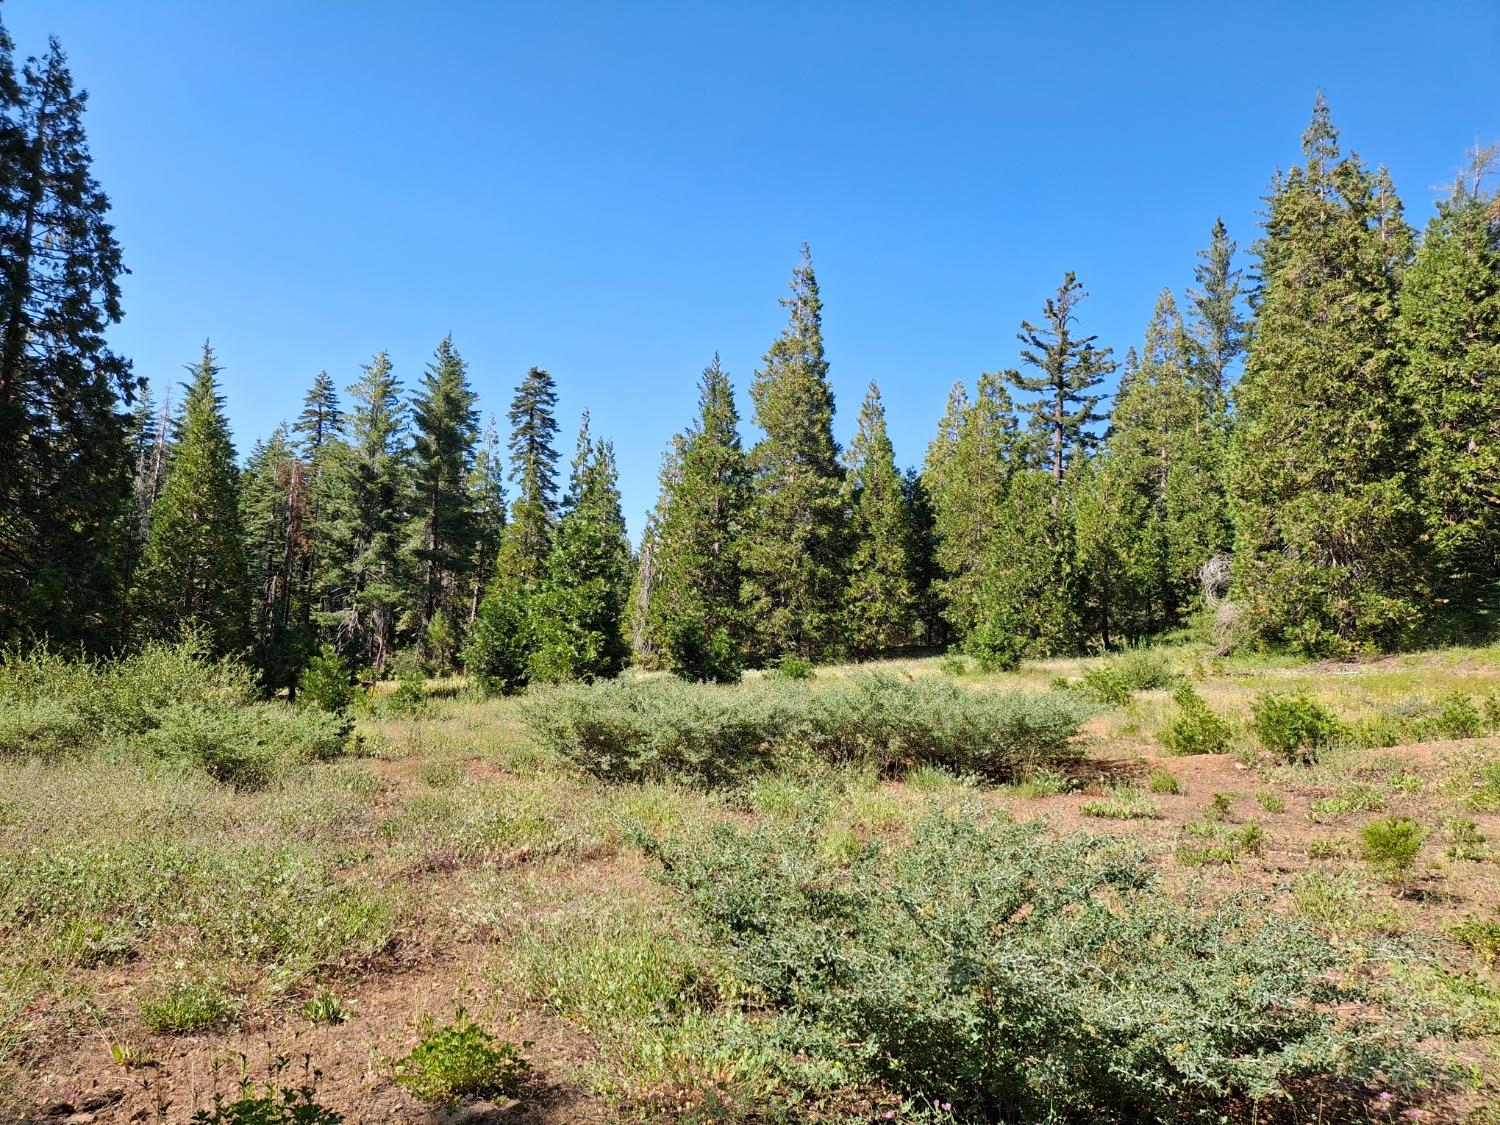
{"x":275,"y":505}
{"x":445,"y":527}
{"x":794,"y":548}
{"x":1027,"y":600}
{"x":1323,"y":513}
{"x":1069,"y":367}
{"x":1449,"y":335}
{"x":879,"y":602}
{"x":486,"y":488}
{"x":1219,"y":327}
{"x":921,"y":539}
{"x":650,"y":598}
{"x":967,"y":472}
{"x":65,"y":462}
{"x":1163,"y":470}
{"x":321,"y":419}
{"x":192,"y":575}
{"x":696,"y":549}
{"x":501,"y":644}
{"x":362,"y":502}
{"x":577,"y":612}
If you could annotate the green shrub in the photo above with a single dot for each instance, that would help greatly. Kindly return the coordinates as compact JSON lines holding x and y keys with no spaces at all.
{"x":624,"y":730}
{"x":1357,"y":798}
{"x":1021,"y":976}
{"x":42,"y":728}
{"x":993,"y":648}
{"x":460,"y":1060}
{"x":245,"y":745}
{"x":188,"y":1005}
{"x":1195,"y":729}
{"x":1390,"y":845}
{"x":1121,"y":803}
{"x":792,"y":667}
{"x":1137,"y":670}
{"x":1338,"y":901}
{"x":1041,"y":782}
{"x":324,"y":1007}
{"x":327,"y":682}
{"x":410,"y":696}
{"x":1480,"y":936}
{"x":954,"y":664}
{"x":1456,"y":717}
{"x":1293,"y":727}
{"x":1217,"y":808}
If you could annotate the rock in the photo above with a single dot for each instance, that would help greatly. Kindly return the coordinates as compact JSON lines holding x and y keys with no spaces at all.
{"x":79,"y":1119}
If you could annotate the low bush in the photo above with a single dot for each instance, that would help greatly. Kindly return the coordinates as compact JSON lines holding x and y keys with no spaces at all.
{"x":1136,"y":670}
{"x":791,"y":667}
{"x":1293,"y":727}
{"x":994,"y":649}
{"x":245,"y":745}
{"x":701,"y":657}
{"x":1163,"y":781}
{"x":1023,"y":977}
{"x":1196,"y":729}
{"x":458,"y":1060}
{"x":625,"y":730}
{"x":1390,"y":845}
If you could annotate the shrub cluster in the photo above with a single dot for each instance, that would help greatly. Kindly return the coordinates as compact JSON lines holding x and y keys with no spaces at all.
{"x":1021,"y":976}
{"x":167,"y":703}
{"x":636,"y":730}
{"x":1137,"y":670}
{"x":1196,"y":729}
{"x":458,"y":1060}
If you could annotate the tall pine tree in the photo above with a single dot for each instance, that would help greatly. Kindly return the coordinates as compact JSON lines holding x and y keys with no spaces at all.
{"x":1449,"y":336}
{"x":1325,"y":522}
{"x":1219,"y":326}
{"x":445,"y":526}
{"x":1069,"y":367}
{"x":65,"y":462}
{"x":795,"y":545}
{"x":362,"y":504}
{"x":275,"y":506}
{"x":192,"y":576}
{"x":696,"y":547}
{"x":879,"y":610}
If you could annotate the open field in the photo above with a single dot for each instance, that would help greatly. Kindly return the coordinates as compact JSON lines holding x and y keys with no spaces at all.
{"x":164,"y":934}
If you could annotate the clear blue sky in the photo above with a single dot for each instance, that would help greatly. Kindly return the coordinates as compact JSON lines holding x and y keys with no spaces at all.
{"x":614,"y":191}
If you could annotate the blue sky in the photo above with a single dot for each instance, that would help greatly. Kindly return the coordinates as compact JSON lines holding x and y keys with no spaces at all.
{"x":615,"y":191}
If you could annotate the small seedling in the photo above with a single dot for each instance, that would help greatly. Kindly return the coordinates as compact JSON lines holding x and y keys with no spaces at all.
{"x":1217,"y":808}
{"x":1164,"y":781}
{"x":1465,"y":841}
{"x":324,"y":1007}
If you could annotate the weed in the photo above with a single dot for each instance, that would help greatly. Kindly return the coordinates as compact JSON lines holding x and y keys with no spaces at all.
{"x":1464,"y":840}
{"x":324,"y":1007}
{"x":1137,"y":670}
{"x":1340,"y":902}
{"x":186,"y":1005}
{"x":1163,"y":781}
{"x":1121,"y":803}
{"x":790,"y":667}
{"x":1328,"y":847}
{"x":1390,"y":845}
{"x":1357,"y":798}
{"x":271,"y":1104}
{"x":1195,"y":729}
{"x":1483,"y":937}
{"x":1271,"y":802}
{"x":1217,"y":807}
{"x":954,"y":665}
{"x":1043,"y":783}
{"x":460,"y":1059}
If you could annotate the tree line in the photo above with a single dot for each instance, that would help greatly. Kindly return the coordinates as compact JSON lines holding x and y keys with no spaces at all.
{"x":1340,"y":496}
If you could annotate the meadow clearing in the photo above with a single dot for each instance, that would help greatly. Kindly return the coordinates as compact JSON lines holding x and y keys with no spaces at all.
{"x":1245,"y":889}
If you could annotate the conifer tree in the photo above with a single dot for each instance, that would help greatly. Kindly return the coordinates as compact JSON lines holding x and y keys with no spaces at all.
{"x":921,"y":539}
{"x":1449,"y":334}
{"x":486,"y":488}
{"x":696,"y":550}
{"x":1068,"y":368}
{"x":275,"y":505}
{"x":1324,"y":518}
{"x":650,"y":598}
{"x":879,"y":601}
{"x":968,"y":468}
{"x":577,"y":611}
{"x":794,"y":548}
{"x":498,"y":653}
{"x":1219,"y":327}
{"x":192,"y":574}
{"x":1167,"y":512}
{"x":445,"y":527}
{"x":65,"y":461}
{"x":362,"y":502}
{"x":321,"y":419}
{"x":1027,"y":601}
{"x":317,"y":439}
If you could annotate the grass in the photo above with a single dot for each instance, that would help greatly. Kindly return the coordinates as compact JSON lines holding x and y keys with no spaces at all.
{"x":148,"y":893}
